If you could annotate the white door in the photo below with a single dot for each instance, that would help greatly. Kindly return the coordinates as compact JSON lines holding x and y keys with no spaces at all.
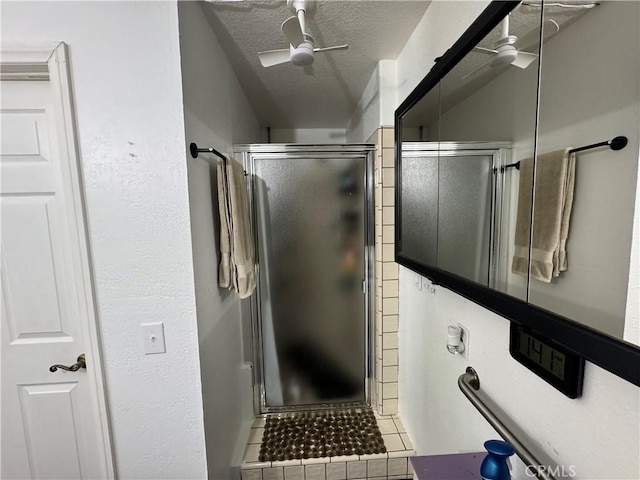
{"x":53,"y":424}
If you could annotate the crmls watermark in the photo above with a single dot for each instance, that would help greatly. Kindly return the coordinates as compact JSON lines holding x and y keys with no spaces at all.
{"x":558,"y":471}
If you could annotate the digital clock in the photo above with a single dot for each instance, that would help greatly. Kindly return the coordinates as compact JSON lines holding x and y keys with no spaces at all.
{"x":550,"y":361}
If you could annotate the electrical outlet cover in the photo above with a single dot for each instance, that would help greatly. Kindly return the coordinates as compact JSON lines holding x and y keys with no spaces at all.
{"x":465,"y":341}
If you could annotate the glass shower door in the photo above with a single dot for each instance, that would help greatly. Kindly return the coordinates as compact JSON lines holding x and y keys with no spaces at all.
{"x":311,"y":222}
{"x":451,"y":216}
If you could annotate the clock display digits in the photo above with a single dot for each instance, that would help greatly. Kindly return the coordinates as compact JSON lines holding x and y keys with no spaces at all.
{"x":557,"y":364}
{"x":543,"y":355}
{"x":550,"y":361}
{"x":533,"y":343}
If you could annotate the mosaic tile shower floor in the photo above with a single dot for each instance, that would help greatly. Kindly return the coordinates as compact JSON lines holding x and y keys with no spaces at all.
{"x":321,"y":434}
{"x":393,"y":464}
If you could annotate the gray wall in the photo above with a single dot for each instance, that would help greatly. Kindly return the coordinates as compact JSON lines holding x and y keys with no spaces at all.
{"x":216,"y":113}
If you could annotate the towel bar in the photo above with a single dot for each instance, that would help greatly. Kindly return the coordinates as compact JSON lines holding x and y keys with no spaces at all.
{"x":616,"y":143}
{"x":193,"y":148}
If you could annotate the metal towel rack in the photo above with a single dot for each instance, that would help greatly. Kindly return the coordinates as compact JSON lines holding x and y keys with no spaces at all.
{"x":193,"y":148}
{"x":616,"y":143}
{"x":469,"y":383}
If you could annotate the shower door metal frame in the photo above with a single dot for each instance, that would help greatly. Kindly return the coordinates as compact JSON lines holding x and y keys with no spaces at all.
{"x":501,"y":156}
{"x":248,"y":154}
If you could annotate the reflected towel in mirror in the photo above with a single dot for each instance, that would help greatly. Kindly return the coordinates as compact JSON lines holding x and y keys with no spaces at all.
{"x":551,"y":205}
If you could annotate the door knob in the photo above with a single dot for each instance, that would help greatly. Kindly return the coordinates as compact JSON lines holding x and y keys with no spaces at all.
{"x":81,"y":363}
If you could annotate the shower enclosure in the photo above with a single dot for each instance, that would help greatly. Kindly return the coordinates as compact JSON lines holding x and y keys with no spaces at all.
{"x":452,"y":208}
{"x":312,"y":213}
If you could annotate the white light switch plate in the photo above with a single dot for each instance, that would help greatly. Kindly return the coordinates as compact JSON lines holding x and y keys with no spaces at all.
{"x":153,"y":338}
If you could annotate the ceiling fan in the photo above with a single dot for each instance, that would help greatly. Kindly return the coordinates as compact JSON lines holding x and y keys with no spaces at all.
{"x":301,"y":49}
{"x":505,"y":51}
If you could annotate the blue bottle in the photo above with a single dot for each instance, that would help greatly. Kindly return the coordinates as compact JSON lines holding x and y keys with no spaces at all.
{"x":495,"y":466}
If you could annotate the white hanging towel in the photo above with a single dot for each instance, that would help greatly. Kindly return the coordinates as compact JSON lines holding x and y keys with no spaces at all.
{"x":225,"y":267}
{"x":237,"y":249}
{"x":552,"y":204}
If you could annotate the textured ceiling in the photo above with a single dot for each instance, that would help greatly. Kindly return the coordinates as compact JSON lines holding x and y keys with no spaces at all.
{"x":285,"y":96}
{"x":461,"y":82}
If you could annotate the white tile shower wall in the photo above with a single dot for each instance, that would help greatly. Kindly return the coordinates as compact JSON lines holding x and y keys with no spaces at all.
{"x":356,"y":469}
{"x":276,"y":473}
{"x":386,"y":380}
{"x":315,"y":472}
{"x":294,"y":472}
{"x":337,"y":471}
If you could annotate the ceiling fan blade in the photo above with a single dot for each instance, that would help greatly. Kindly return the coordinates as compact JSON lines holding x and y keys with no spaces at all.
{"x":532,"y":39}
{"x":485,"y":50}
{"x":291,"y":29}
{"x":308,"y":69}
{"x":472,"y":72}
{"x":326,"y":49}
{"x":524,"y":59}
{"x":274,"y":57}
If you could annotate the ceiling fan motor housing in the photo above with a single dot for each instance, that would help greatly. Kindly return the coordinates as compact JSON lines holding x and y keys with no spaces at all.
{"x":307,"y":5}
{"x":507,"y":51}
{"x":303,"y":55}
{"x":505,"y":56}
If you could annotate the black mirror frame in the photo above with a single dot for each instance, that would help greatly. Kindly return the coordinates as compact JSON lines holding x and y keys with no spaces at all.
{"x":614,"y":355}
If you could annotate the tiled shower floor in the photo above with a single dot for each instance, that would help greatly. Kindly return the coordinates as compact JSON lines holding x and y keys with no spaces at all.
{"x":390,"y":465}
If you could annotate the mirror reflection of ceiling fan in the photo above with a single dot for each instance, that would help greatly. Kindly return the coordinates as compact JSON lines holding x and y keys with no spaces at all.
{"x":506,"y":52}
{"x":302,"y":49}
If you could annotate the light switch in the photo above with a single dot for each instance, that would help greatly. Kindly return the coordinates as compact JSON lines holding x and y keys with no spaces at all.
{"x":153,"y":338}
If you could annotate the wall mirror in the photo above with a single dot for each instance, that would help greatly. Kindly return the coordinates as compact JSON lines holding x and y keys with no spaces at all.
{"x":494,"y":201}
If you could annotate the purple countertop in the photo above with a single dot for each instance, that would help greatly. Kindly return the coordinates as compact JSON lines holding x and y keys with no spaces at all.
{"x":459,"y":466}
